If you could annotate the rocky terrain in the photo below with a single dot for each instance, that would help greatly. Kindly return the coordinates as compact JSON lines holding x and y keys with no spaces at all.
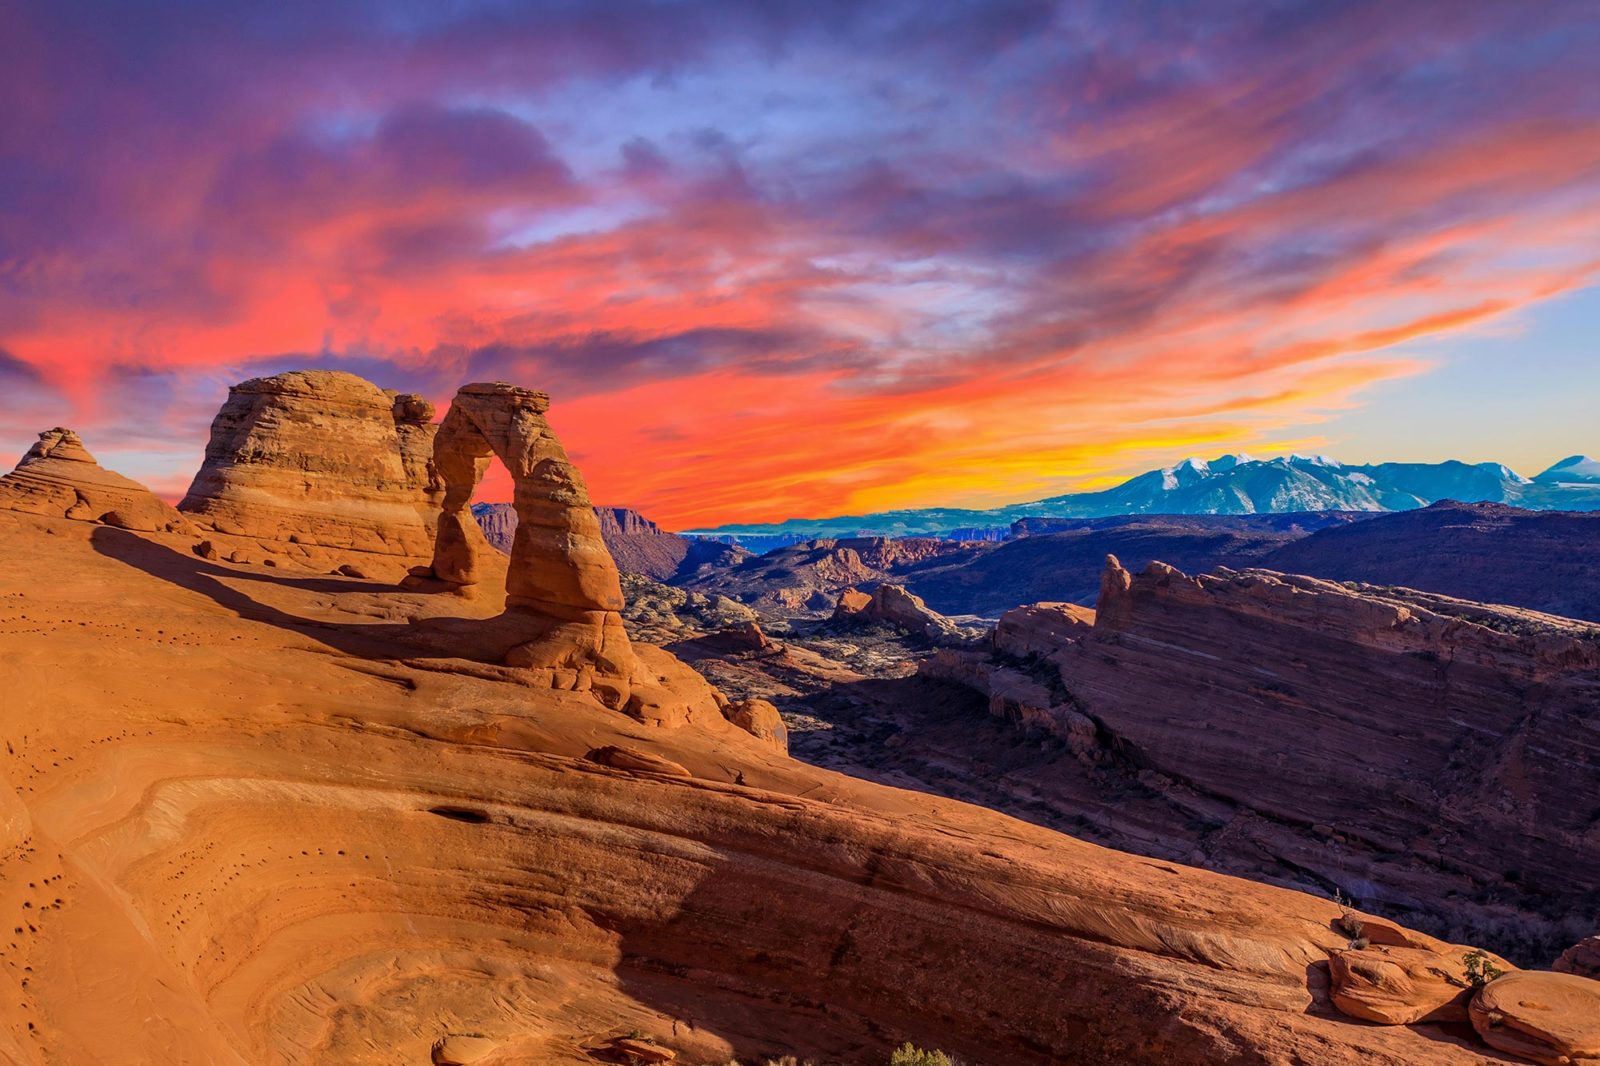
{"x":257,"y":813}
{"x":1542,"y":560}
{"x":637,"y":544}
{"x":1425,"y":756}
{"x":807,"y":578}
{"x":1059,"y":559}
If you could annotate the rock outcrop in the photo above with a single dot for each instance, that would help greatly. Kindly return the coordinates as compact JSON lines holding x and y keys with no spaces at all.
{"x":893,"y":605}
{"x":319,"y":458}
{"x":58,"y":477}
{"x":1429,"y":757}
{"x":1582,"y":958}
{"x":760,"y":719}
{"x":1400,"y":985}
{"x":1551,"y":1018}
{"x":563,"y":594}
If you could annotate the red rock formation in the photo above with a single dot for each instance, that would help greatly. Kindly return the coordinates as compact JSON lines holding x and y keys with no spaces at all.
{"x":563,"y":595}
{"x":1400,"y":985}
{"x":1582,"y":958}
{"x":58,"y":477}
{"x":1551,"y":1018}
{"x":319,"y":457}
{"x":760,"y":719}
{"x":1400,"y":746}
{"x":282,"y":831}
{"x":893,"y":605}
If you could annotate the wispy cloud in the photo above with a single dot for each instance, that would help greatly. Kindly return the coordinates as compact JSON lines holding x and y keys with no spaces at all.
{"x":776,"y":259}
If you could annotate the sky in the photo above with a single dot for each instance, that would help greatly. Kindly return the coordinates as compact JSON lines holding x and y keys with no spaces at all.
{"x":777,"y":260}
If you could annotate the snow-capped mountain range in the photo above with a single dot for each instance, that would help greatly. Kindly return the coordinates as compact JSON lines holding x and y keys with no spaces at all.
{"x":1234,"y":484}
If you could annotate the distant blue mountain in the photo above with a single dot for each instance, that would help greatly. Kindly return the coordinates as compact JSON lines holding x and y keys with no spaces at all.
{"x":1230,"y":484}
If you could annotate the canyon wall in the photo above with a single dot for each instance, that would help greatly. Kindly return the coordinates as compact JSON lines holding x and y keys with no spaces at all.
{"x":1433,"y":756}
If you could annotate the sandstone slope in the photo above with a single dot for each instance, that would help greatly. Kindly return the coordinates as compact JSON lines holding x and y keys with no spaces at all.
{"x":252,"y":817}
{"x":58,"y":477}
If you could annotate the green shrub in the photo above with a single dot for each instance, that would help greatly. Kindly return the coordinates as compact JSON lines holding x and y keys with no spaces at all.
{"x":1480,"y":969}
{"x":908,"y":1054}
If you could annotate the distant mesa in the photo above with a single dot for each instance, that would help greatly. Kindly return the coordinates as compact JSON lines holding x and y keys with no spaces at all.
{"x":58,"y":477}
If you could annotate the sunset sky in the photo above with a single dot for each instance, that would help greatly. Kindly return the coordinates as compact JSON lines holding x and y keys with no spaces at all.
{"x":801,"y":259}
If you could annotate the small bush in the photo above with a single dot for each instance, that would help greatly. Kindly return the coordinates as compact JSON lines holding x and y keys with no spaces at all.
{"x":1480,"y":969}
{"x":908,"y":1054}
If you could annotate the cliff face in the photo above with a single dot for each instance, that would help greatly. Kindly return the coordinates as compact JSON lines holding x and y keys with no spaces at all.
{"x":1488,"y":552}
{"x":1418,"y":752}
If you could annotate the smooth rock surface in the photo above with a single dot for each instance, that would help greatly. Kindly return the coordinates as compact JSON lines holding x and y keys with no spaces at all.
{"x":1551,"y":1018}
{"x":285,"y":829}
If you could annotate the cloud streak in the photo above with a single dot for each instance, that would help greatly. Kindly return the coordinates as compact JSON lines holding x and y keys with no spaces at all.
{"x":775,"y":260}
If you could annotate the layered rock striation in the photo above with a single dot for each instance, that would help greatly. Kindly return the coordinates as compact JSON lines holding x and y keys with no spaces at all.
{"x":58,"y":477}
{"x":320,"y":458}
{"x":1425,"y":755}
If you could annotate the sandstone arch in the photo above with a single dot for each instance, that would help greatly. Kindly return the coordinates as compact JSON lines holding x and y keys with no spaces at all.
{"x":561,"y":583}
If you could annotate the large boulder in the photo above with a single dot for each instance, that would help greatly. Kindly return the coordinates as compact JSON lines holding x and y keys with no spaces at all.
{"x":761,"y":720}
{"x":58,"y":477}
{"x":1582,"y":958}
{"x":319,"y":457}
{"x":1394,"y":985}
{"x":1551,"y":1018}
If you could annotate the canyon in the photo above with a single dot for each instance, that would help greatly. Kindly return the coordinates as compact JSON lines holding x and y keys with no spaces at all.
{"x":306,"y":772}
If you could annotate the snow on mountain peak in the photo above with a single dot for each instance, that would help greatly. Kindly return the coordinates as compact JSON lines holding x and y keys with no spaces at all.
{"x":1574,"y":469}
{"x":1296,"y":459}
{"x":1504,"y":472}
